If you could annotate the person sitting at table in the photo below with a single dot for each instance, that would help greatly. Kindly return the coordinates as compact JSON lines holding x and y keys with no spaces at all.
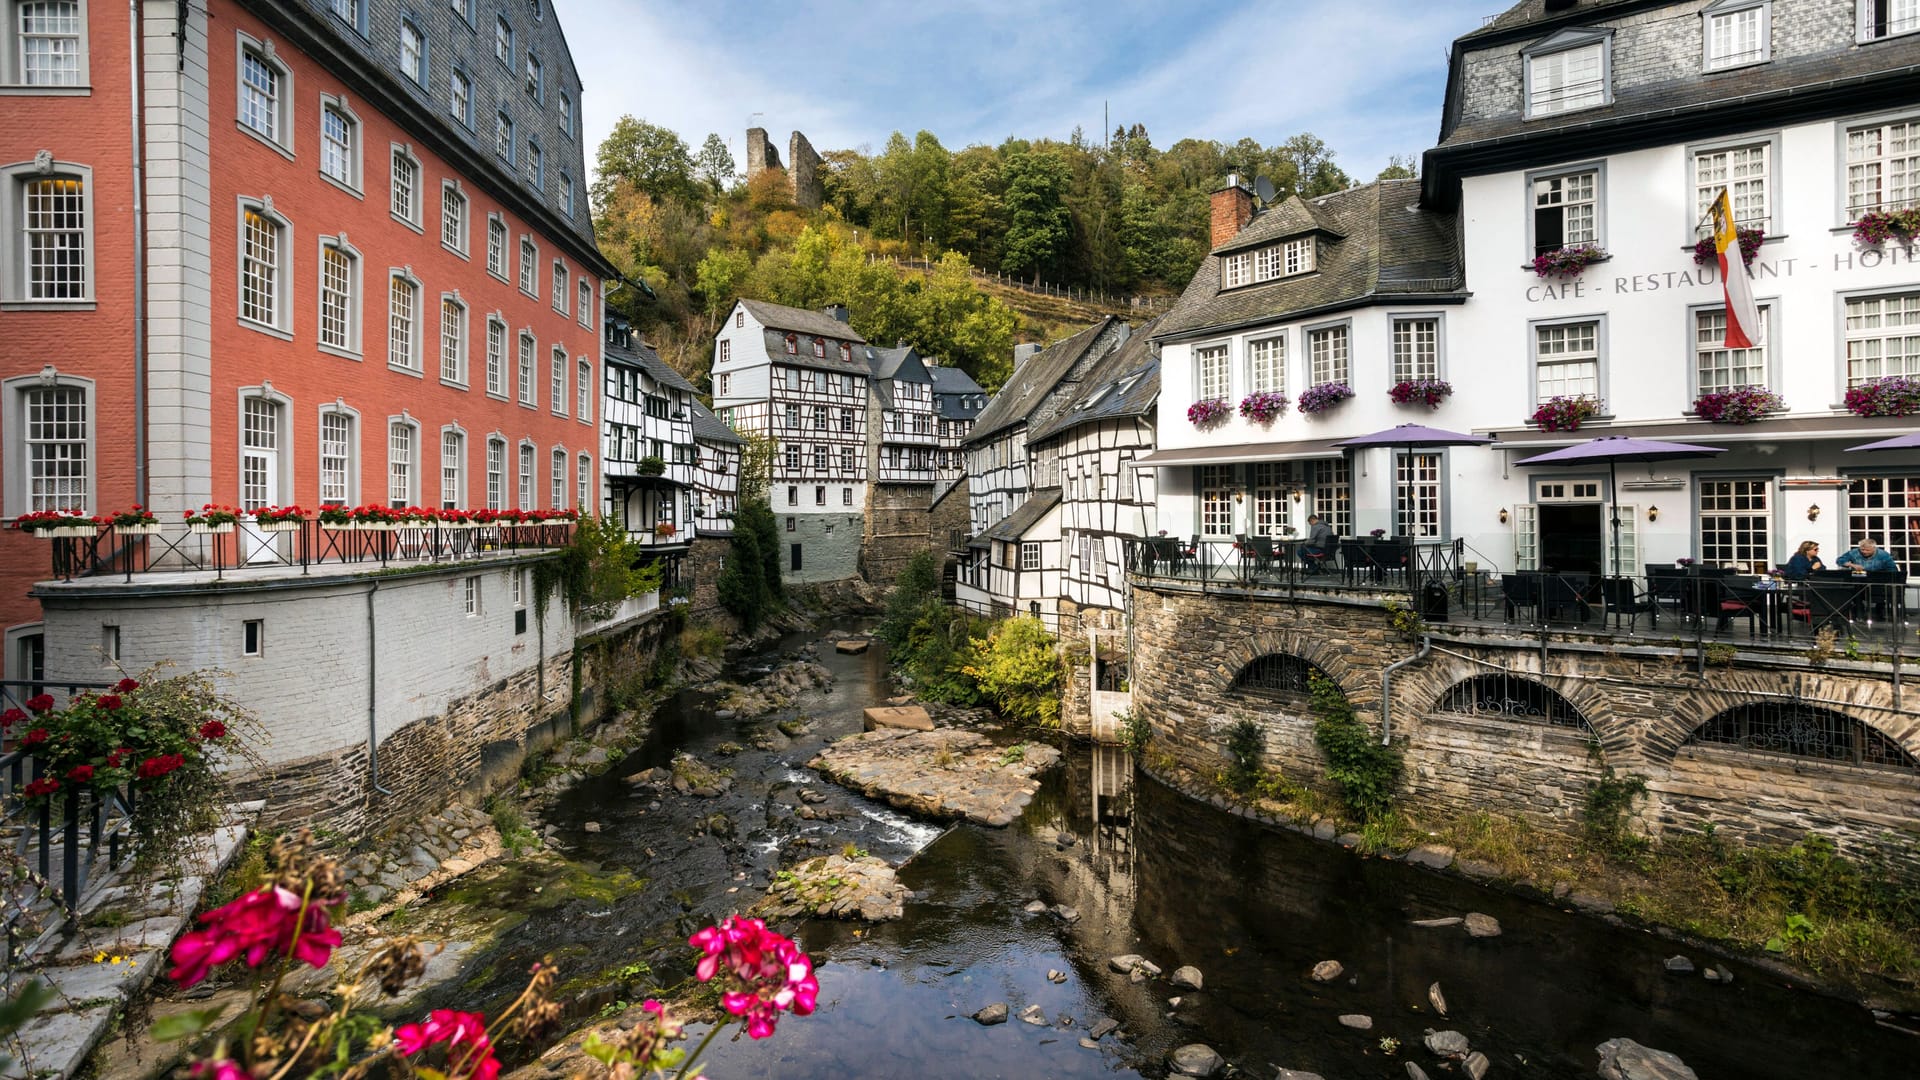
{"x":1319,"y":543}
{"x":1805,"y":561}
{"x":1868,"y":556}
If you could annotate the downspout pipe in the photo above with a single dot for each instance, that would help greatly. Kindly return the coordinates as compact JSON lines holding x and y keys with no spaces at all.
{"x":373,"y":698}
{"x":1386,"y":687}
{"x":135,"y":53}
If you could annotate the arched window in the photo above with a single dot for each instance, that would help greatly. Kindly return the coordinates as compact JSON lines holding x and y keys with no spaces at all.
{"x":1801,"y":730}
{"x":1513,"y":698}
{"x":1278,"y":675}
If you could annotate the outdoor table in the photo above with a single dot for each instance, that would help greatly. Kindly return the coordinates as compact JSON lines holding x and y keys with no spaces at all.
{"x":1772,"y":601}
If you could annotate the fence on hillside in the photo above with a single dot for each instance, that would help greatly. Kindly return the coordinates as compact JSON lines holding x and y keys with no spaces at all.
{"x":1146,"y":305}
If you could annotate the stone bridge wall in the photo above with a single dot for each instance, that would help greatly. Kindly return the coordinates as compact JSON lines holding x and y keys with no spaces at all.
{"x":1640,"y":701}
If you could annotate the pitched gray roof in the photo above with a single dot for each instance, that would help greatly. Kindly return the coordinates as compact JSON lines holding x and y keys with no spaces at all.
{"x":800,"y":320}
{"x":1015,"y":525}
{"x":1389,"y":248}
{"x":1293,"y":217}
{"x":710,"y":428}
{"x":953,"y":391}
{"x":1032,"y":382}
{"x":885,"y":363}
{"x":1123,"y":384}
{"x":1527,"y":12}
{"x":642,"y":356}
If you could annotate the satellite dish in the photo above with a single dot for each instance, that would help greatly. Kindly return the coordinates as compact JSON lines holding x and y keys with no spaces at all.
{"x":1263,"y":187}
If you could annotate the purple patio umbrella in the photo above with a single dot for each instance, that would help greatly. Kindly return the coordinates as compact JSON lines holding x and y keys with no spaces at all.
{"x":1614,"y":449}
{"x":1411,"y":437}
{"x":1909,"y":441}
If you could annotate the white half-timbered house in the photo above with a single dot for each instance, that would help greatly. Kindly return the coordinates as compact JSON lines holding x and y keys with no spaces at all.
{"x":900,"y":416}
{"x":800,"y":378}
{"x":646,"y":441}
{"x":957,"y":403}
{"x":716,"y":473}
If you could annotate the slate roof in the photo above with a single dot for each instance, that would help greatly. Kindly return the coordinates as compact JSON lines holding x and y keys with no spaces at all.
{"x":1293,"y":217}
{"x":800,"y":321}
{"x":1123,"y":384}
{"x":950,"y":387}
{"x":1389,"y":247}
{"x":1527,"y":12}
{"x":1033,"y":380}
{"x":642,"y":356}
{"x":1015,"y":525}
{"x":710,"y":428}
{"x":885,"y":362}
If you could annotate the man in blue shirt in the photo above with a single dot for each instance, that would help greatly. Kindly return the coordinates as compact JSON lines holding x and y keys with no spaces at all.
{"x":1868,"y":556}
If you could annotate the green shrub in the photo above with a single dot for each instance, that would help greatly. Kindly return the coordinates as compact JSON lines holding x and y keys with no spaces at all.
{"x":919,"y":583}
{"x":741,"y":587}
{"x":597,"y":570}
{"x":936,"y":652}
{"x":1365,"y":771}
{"x":1244,"y":744}
{"x":1609,"y":800}
{"x":757,"y":518}
{"x":1017,"y":671}
{"x":1136,"y":730}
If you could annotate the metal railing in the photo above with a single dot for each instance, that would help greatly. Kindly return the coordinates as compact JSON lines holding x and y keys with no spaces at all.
{"x":101,"y":551}
{"x":1385,"y":565}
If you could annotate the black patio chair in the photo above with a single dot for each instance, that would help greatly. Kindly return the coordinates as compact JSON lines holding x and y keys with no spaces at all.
{"x":1521,"y":590}
{"x":1565,"y":597}
{"x":1623,"y":597}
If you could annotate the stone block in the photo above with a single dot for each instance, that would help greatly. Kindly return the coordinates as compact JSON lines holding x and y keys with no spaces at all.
{"x":904,"y":717}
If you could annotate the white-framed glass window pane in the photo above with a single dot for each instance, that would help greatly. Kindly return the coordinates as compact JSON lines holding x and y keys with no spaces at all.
{"x":1567,"y":360}
{"x":1419,"y":495}
{"x":1719,"y":368}
{"x":1216,"y":500}
{"x":410,"y":51}
{"x":1883,"y":167}
{"x":1266,"y":263}
{"x":529,"y":256}
{"x":1885,"y":507}
{"x":259,"y":445}
{"x":1333,"y":495}
{"x":399,"y":464}
{"x":1416,"y":349}
{"x":50,"y":43}
{"x":496,"y":357}
{"x":336,"y":450}
{"x":54,"y":221}
{"x":585,"y":314}
{"x":560,"y":287}
{"x":1564,"y":211}
{"x":536,"y":162}
{"x":503,"y":135}
{"x":533,"y":76}
{"x":1328,"y":356}
{"x":1885,"y":18}
{"x":453,"y":341}
{"x":557,"y":382}
{"x":583,"y":476}
{"x":1271,"y":480}
{"x":259,"y":95}
{"x":1267,"y":365}
{"x":502,"y":41}
{"x":402,"y":306}
{"x":336,"y":144}
{"x":453,"y":219}
{"x":406,"y":186}
{"x":1210,"y":367}
{"x":348,"y":10}
{"x":526,"y":478}
{"x":336,"y":298}
{"x":583,"y":382}
{"x":260,"y":269}
{"x":1568,"y":79}
{"x":1735,"y":38}
{"x":56,"y":450}
{"x":1298,"y":256}
{"x":558,"y":480}
{"x":1736,"y":522}
{"x":1236,"y":269}
{"x":460,"y":97}
{"x":526,"y":370}
{"x":1883,"y":337}
{"x":496,"y":247}
{"x":1744,"y":172}
{"x":566,"y":112}
{"x":1029,"y":556}
{"x":470,"y":595}
{"x":496,"y":475}
{"x":452,"y":449}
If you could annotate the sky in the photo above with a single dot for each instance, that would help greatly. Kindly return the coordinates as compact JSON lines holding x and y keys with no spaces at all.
{"x":1366,"y":76}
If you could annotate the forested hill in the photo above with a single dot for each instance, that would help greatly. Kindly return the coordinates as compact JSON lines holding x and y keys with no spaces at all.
{"x":1121,"y":218}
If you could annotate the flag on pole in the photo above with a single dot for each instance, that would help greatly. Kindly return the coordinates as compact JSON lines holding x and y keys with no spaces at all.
{"x":1743,"y":318}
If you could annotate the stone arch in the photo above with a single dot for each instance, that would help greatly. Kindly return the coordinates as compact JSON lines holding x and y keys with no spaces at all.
{"x":1868,"y":701}
{"x":1315,"y":650}
{"x":1512,"y":697}
{"x":1418,"y":686}
{"x":1801,"y":730}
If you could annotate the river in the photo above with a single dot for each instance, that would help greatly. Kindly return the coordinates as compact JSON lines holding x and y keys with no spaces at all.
{"x":1150,"y":872}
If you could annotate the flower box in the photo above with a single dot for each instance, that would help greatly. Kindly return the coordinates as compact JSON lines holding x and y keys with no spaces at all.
{"x":1567,"y":262}
{"x":73,"y":532}
{"x":1323,"y":397}
{"x":1876,"y":227}
{"x":1706,"y":252}
{"x":1564,"y":413}
{"x":203,"y":528}
{"x":1428,"y":392}
{"x":1263,"y":406}
{"x":1207,"y":412}
{"x":1741,"y":405}
{"x":1896,"y":396}
{"x":375,"y":526}
{"x":151,"y":528}
{"x":278,"y":526}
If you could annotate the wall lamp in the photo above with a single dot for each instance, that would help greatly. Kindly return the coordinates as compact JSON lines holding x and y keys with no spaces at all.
{"x":1296,"y":494}
{"x":1813,"y":512}
{"x":1503,"y":515}
{"x":1653,"y":513}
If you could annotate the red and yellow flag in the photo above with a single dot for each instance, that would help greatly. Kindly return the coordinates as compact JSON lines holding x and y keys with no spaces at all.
{"x":1743,"y":318}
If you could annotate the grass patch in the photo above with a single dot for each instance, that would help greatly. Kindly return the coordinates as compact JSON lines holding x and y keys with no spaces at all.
{"x":703,"y":641}
{"x":511,"y":823}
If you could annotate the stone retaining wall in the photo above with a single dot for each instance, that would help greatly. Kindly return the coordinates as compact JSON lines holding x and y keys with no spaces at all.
{"x":1640,"y":702}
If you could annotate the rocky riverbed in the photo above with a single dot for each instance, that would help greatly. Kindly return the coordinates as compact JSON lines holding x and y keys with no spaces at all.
{"x":942,"y":773}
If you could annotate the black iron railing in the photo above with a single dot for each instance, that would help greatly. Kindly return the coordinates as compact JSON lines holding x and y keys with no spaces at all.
{"x":1385,"y":565}
{"x":102,"y":551}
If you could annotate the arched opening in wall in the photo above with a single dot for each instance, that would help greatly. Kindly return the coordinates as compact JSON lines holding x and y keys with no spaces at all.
{"x":1282,"y":678}
{"x":1799,"y":730}
{"x":1512,"y":697}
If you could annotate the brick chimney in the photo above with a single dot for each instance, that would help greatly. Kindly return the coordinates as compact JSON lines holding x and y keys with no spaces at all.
{"x":1232,"y":209}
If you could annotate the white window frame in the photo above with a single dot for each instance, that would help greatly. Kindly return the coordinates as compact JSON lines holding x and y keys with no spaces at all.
{"x":1864,"y":25}
{"x":496,"y":465}
{"x":503,"y":42}
{"x":1852,"y":336}
{"x":280,"y":108}
{"x":585,"y":290}
{"x":348,"y":455}
{"x":529,"y":266}
{"x":504,"y":134}
{"x":278,"y":409}
{"x":1883,"y":125}
{"x":1029,"y":555}
{"x":1598,"y":201}
{"x":1324,"y":367}
{"x":460,"y":105}
{"x":526,"y":385}
{"x":1760,"y":485}
{"x":453,"y":473}
{"x":352,"y":182}
{"x":497,"y":359}
{"x":1236,"y":269}
{"x":416,"y":72}
{"x":1213,"y":502}
{"x":350,"y":348}
{"x":583,"y":481}
{"x":1396,"y":371}
{"x":497,"y":254}
{"x":1698,"y":349}
{"x":409,"y":480}
{"x":13,"y":235}
{"x":281,"y":323}
{"x":1557,"y":48}
{"x":565,"y":193}
{"x":583,"y":383}
{"x":453,"y":347}
{"x":1699,"y":224}
{"x":1535,"y":395}
{"x":1726,"y":11}
{"x":1267,"y":364}
{"x":566,"y":113}
{"x":560,"y":281}
{"x":409,"y":213}
{"x":18,"y":482}
{"x":470,"y":596}
{"x":13,"y":74}
{"x":557,"y":365}
{"x":534,"y":77}
{"x":409,"y":359}
{"x":524,"y":493}
{"x":453,"y":197}
{"x":1213,"y":371}
{"x":557,"y":477}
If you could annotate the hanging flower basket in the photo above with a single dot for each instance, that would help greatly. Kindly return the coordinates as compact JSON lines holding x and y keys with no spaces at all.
{"x":1876,"y":227}
{"x":651,"y":466}
{"x":1320,"y":398}
{"x":1740,"y":405}
{"x":1262,"y":406}
{"x":1564,"y":413}
{"x":1567,"y":262}
{"x":1428,"y":392}
{"x":1897,"y":396}
{"x":1706,"y":253}
{"x":1208,"y":412}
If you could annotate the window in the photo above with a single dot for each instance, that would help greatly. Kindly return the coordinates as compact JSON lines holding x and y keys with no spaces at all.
{"x":1736,"y":34}
{"x":463,"y":8}
{"x":847,"y":459}
{"x":265,"y":94}
{"x":585,"y":313}
{"x":820,"y":353}
{"x":453,"y":218}
{"x":1883,"y":166}
{"x":470,"y":595}
{"x":583,"y":479}
{"x":1886,"y":18}
{"x":1744,"y":172}
{"x":1236,"y":269}
{"x":453,"y":340}
{"x":1566,"y":360}
{"x":413,"y":53}
{"x":559,"y":286}
{"x":1216,"y":500}
{"x":406,"y":187}
{"x":583,"y":384}
{"x":793,"y":348}
{"x":525,"y":382}
{"x":566,"y":114}
{"x":52,"y":239}
{"x":350,"y":10}
{"x":503,"y":136}
{"x":58,"y":447}
{"x":460,"y":98}
{"x":452,"y":454}
{"x":819,"y":495}
{"x":1887,"y":508}
{"x":793,"y":457}
{"x":846,"y":420}
{"x":496,"y":247}
{"x":496,"y":357}
{"x":110,"y":644}
{"x":1718,"y":368}
{"x":49,"y":48}
{"x":1327,"y":356}
{"x":535,"y":87}
{"x":400,"y":464}
{"x":496,"y":474}
{"x":503,"y":41}
{"x":336,"y":458}
{"x":557,"y":382}
{"x":1029,"y":556}
{"x":1419,"y":497}
{"x":820,"y":456}
{"x":1271,"y":483}
{"x":1572,"y":76}
{"x":819,"y":418}
{"x":526,"y":476}
{"x":253,"y":637}
{"x":793,"y":416}
{"x":559,"y":480}
{"x":1565,"y":211}
{"x":1333,"y":495}
{"x":566,"y":193}
{"x":536,"y":165}
{"x":529,"y":263}
{"x":1883,"y":337}
{"x":1210,"y":369}
{"x":403,"y":316}
{"x":262,"y":280}
{"x":1736,"y":523}
{"x":1416,"y":348}
{"x":339,"y":145}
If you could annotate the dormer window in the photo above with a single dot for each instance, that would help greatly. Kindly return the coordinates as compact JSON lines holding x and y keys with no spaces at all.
{"x":846,"y":352}
{"x":1568,"y":71}
{"x":793,"y":344}
{"x":1736,"y":33}
{"x":1284,"y":259}
{"x":1887,"y":18}
{"x":819,"y":349}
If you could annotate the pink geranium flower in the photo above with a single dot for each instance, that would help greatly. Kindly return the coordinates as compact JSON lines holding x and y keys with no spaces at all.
{"x":258,"y":926}
{"x":766,"y":974}
{"x":469,"y":1054}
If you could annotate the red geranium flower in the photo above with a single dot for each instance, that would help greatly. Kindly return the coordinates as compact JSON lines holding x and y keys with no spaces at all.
{"x":46,"y":785}
{"x":109,"y":701}
{"x":475,"y":1060}
{"x":224,"y":1069}
{"x":80,"y":774}
{"x":213,"y":729}
{"x":35,"y":737}
{"x":40,"y":703}
{"x":156,"y":767}
{"x":258,"y":926}
{"x":12,"y":717}
{"x":113,"y":760}
{"x":126,"y":686}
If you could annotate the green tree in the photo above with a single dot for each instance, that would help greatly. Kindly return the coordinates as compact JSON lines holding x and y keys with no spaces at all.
{"x":850,"y":185}
{"x":757,"y":518}
{"x":919,"y":582}
{"x":718,"y":278}
{"x":1038,"y":222}
{"x":1017,"y":670}
{"x":1313,"y":163}
{"x":653,"y":159}
{"x":714,"y":166}
{"x":741,"y":589}
{"x":1401,"y":168}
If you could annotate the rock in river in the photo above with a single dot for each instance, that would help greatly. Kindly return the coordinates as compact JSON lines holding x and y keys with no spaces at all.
{"x":1131,"y":963}
{"x":1196,"y":1059}
{"x":834,"y":886}
{"x":1475,"y":1065}
{"x":995,"y":1013}
{"x":1357,"y":1021}
{"x":1035,"y":1015}
{"x":943,"y":773}
{"x":1327,"y":971}
{"x":1678,"y":965}
{"x":1480,"y":925}
{"x":1448,"y":1044}
{"x":1438,"y":999}
{"x":1624,"y":1059}
{"x":1186,"y":978}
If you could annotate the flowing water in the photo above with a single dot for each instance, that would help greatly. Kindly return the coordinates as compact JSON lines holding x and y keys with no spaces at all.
{"x":1149,"y":872}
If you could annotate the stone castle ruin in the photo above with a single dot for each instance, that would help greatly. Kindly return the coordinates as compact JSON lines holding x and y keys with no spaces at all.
{"x":802,"y":166}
